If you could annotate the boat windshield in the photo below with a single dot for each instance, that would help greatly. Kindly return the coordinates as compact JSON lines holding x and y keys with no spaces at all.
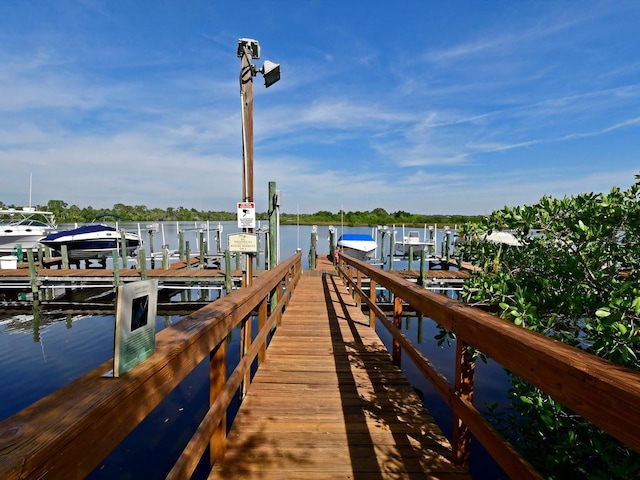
{"x":34,"y":218}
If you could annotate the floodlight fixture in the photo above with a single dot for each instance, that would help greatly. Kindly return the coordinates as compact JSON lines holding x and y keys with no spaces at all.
{"x":271,"y":73}
{"x":251,"y":45}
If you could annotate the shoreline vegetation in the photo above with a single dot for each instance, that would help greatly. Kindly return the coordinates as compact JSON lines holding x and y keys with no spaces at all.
{"x":65,"y":213}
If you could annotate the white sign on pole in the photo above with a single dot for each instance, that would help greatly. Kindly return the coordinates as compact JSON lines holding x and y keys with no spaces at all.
{"x":243,"y":242}
{"x":246,"y":215}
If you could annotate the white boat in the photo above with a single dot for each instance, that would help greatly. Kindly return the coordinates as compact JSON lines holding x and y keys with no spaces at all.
{"x":504,"y":237}
{"x":360,"y":246}
{"x":412,"y":239}
{"x":93,"y":241}
{"x":24,"y":227}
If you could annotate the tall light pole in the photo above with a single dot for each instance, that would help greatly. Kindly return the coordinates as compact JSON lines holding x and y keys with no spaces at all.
{"x":249,"y":49}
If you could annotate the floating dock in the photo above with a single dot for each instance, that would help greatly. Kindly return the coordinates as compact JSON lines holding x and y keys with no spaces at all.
{"x":180,"y":274}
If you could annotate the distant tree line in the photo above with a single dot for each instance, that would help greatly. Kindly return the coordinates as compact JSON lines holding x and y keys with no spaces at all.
{"x":377,"y":216}
{"x":66,"y":213}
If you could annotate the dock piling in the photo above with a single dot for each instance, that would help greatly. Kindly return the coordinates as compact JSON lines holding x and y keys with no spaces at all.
{"x":116,"y":270}
{"x":123,"y":248}
{"x":33,"y":279}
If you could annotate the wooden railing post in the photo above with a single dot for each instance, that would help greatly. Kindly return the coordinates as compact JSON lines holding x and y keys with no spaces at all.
{"x":217,"y":381}
{"x":356,"y":291}
{"x":396,"y":354}
{"x":245,"y":344}
{"x":464,"y":379}
{"x":279,"y":297}
{"x":347,"y":275}
{"x":262,"y":321}
{"x":372,"y":297}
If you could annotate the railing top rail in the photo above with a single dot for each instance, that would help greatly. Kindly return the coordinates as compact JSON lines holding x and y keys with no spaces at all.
{"x":605,"y":394}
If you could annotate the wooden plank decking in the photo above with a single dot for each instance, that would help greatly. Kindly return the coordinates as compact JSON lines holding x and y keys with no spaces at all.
{"x":328,"y":402}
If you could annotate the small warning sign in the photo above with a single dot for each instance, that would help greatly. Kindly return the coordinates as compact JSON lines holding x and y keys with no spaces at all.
{"x":243,"y":242}
{"x":246,"y":215}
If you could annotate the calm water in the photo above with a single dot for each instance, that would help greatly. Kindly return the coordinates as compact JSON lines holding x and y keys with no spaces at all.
{"x":37,"y":357}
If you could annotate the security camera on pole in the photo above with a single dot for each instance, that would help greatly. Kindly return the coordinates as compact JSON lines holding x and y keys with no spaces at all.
{"x":248,"y":49}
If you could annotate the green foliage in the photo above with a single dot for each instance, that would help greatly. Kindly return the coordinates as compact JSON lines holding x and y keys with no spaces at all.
{"x":72,"y":213}
{"x":575,"y":277}
{"x":377,"y":216}
{"x":66,"y":213}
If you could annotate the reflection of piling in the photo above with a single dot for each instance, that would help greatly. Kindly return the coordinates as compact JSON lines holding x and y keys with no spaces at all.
{"x":36,"y":320}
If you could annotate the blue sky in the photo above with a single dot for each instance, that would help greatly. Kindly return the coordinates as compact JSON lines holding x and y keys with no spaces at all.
{"x":445,"y":107}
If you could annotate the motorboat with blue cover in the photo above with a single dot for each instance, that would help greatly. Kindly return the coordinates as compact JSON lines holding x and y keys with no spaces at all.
{"x":92,"y":241}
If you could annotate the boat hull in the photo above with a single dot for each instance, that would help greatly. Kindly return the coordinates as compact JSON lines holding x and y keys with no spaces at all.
{"x":362,"y":247}
{"x":94,"y":250}
{"x":418,"y":247}
{"x":24,"y":228}
{"x":26,"y":240}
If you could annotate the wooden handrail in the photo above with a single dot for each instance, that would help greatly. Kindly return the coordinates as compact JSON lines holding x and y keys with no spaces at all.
{"x":66,"y":434}
{"x":605,"y":394}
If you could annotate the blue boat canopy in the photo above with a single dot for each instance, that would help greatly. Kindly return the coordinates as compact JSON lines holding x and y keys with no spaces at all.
{"x":76,"y":231}
{"x":356,"y":237}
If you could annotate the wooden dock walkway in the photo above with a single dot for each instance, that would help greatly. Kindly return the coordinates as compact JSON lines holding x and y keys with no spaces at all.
{"x":329,"y":403}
